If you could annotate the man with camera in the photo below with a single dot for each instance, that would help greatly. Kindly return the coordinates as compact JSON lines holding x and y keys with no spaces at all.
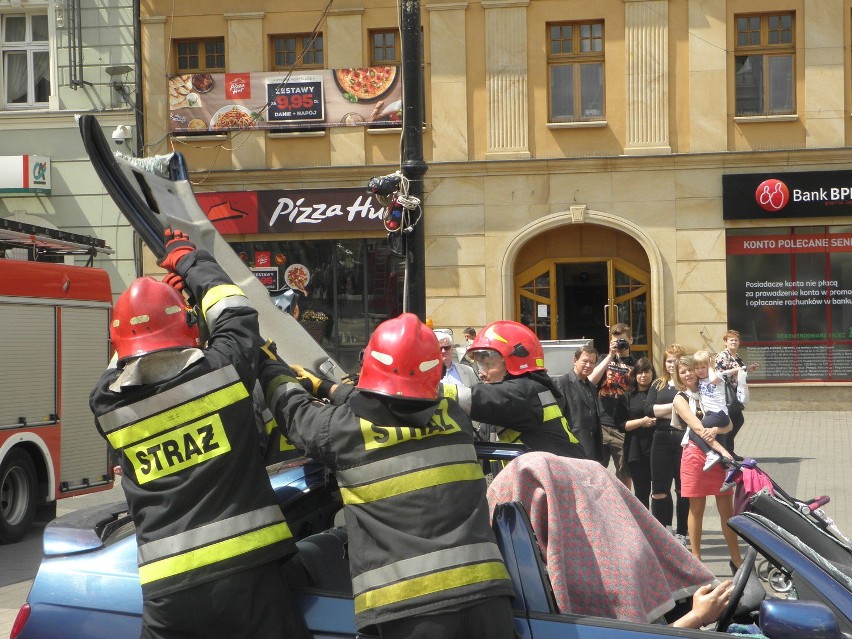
{"x":612,"y":374}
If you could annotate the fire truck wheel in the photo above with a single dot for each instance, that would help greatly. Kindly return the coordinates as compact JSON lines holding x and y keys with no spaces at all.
{"x":17,"y":496}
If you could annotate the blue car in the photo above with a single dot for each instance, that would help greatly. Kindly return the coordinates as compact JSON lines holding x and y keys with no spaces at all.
{"x":87,"y":586}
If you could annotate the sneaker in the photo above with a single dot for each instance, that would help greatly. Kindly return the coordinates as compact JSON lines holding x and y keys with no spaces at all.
{"x":727,"y":486}
{"x":713,"y":458}
{"x":683,"y":539}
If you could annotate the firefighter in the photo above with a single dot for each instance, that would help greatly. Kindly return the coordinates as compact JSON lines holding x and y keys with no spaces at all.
{"x":518,"y":395}
{"x":210,"y":533}
{"x":422,"y":555}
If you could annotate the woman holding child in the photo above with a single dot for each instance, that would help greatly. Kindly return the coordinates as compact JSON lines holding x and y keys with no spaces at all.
{"x":696,"y":483}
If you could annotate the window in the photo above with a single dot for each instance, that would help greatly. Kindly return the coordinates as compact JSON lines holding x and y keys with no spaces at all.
{"x":26,"y":60}
{"x":576,"y":69}
{"x":764,"y":61}
{"x":799,"y":329}
{"x":302,"y":51}
{"x":384,"y":48}
{"x":352,"y":286}
{"x":203,"y":55}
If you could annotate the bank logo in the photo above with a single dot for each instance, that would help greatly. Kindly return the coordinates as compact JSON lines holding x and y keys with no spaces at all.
{"x":40,"y":173}
{"x":772,"y":195}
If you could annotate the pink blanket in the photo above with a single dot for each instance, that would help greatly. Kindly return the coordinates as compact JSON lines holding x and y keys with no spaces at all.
{"x":605,"y":554}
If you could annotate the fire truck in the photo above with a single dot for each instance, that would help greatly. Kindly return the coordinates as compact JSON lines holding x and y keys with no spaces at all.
{"x":54,"y":346}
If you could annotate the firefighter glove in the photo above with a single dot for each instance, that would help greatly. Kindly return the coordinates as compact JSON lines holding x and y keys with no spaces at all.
{"x":177,"y":246}
{"x":310,"y":382}
{"x":269,"y":351}
{"x":175,"y":281}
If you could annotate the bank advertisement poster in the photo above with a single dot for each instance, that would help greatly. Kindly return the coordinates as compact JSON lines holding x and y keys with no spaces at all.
{"x":205,"y":103}
{"x":790,"y":296}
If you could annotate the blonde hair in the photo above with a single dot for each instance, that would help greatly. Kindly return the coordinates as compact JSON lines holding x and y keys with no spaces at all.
{"x":703,"y":357}
{"x":687,"y":361}
{"x":672,"y":350}
{"x":730,"y":333}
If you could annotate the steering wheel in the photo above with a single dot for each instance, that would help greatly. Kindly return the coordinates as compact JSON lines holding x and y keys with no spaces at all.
{"x":740,"y":581}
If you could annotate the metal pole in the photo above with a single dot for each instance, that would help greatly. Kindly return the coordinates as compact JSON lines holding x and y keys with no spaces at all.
{"x":413,"y":166}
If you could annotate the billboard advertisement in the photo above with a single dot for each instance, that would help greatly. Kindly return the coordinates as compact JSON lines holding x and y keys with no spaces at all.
{"x":205,"y":103}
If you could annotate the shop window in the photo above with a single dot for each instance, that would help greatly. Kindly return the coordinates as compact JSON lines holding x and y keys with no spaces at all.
{"x":299,"y":51}
{"x":338,"y":290}
{"x":25,"y":54}
{"x":764,"y":63}
{"x":384,"y":47}
{"x":788,"y":289}
{"x":204,"y":55}
{"x":575,"y":62}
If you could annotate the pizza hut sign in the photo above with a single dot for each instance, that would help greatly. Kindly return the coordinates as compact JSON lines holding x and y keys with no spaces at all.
{"x":318,"y":210}
{"x":289,"y":211}
{"x":237,"y":86}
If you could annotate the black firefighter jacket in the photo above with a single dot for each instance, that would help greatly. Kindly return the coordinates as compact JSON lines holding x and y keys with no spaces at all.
{"x":194,"y":478}
{"x":413,"y":493}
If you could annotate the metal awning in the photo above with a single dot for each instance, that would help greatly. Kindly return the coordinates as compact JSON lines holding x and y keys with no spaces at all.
{"x":44,"y":241}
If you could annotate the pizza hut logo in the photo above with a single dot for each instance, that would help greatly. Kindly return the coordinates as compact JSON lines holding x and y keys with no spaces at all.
{"x":772,"y":195}
{"x":237,"y":87}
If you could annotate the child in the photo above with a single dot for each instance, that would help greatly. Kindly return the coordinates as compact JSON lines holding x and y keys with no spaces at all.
{"x":711,"y":388}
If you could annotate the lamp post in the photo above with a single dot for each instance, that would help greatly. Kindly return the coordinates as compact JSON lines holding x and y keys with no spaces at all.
{"x":413,"y":166}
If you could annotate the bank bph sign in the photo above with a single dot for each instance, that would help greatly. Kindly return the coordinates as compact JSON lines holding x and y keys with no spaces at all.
{"x":786,"y":195}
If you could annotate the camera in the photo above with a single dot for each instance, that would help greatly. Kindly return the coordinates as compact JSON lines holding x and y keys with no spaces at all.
{"x":622,"y":343}
{"x":120,"y":134}
{"x":384,"y":185}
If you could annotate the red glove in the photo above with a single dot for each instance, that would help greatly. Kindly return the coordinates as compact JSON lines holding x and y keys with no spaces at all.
{"x":177,"y":245}
{"x":175,"y":281}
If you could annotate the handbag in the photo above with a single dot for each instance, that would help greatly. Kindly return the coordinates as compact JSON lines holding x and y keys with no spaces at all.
{"x":731,"y":399}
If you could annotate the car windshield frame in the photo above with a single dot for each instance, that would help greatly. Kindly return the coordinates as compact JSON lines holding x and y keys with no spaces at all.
{"x":826,"y":565}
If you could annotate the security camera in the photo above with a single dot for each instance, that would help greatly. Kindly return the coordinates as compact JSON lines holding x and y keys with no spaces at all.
{"x":120,"y":134}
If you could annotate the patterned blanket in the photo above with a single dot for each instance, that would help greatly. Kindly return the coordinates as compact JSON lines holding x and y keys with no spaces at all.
{"x":606,"y":555}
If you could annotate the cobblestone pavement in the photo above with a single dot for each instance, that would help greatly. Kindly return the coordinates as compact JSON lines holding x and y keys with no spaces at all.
{"x":806,"y":453}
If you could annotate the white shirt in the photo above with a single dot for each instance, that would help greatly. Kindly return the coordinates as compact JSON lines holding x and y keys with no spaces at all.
{"x":712,"y":396}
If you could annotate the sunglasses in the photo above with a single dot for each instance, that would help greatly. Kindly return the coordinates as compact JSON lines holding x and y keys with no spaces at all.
{"x":446,"y":348}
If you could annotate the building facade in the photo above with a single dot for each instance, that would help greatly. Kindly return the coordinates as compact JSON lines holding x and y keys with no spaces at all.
{"x":60,"y":59}
{"x":588,"y":163}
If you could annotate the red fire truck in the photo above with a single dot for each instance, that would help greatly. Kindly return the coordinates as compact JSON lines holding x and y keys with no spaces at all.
{"x":54,"y":345}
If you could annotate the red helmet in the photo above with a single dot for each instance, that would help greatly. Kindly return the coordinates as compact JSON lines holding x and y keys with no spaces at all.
{"x":402,"y":360}
{"x":151,"y":316}
{"x":518,"y":345}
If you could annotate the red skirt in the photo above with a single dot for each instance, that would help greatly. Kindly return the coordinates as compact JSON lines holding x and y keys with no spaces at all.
{"x":694,"y":481}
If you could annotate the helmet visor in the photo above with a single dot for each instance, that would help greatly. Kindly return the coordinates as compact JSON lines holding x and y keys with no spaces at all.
{"x":489,"y":364}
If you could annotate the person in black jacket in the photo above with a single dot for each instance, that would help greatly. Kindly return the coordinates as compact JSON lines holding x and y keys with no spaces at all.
{"x":580,"y":400}
{"x":209,"y":529}
{"x":518,"y":395}
{"x":423,"y":558}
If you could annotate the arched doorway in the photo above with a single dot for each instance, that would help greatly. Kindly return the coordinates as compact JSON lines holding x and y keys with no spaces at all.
{"x":578,"y":280}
